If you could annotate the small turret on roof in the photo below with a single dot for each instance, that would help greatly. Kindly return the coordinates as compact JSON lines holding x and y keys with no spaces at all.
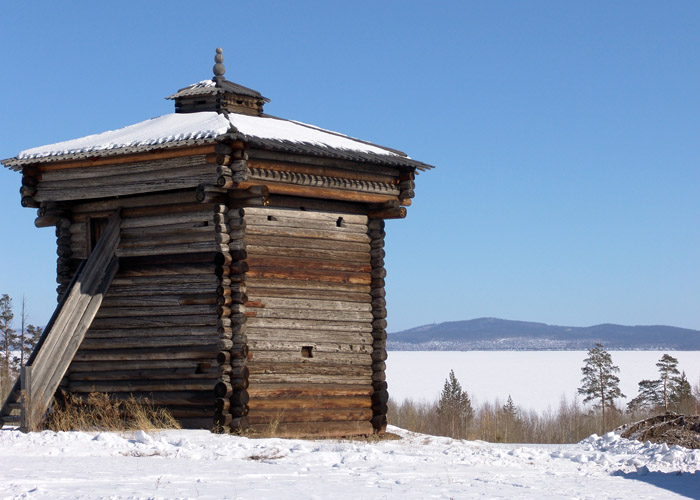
{"x":218,"y":94}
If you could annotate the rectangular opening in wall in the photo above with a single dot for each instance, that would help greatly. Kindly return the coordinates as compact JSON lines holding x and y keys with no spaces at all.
{"x":307,"y":351}
{"x":95,"y":229}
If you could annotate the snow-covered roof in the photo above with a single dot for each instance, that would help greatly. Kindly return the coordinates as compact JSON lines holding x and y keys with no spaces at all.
{"x":206,"y":87}
{"x":181,"y":129}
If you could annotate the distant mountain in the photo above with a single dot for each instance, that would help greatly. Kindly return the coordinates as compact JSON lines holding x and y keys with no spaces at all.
{"x":492,"y":334}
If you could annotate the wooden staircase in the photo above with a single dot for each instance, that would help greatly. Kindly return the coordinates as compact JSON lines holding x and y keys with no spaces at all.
{"x":33,"y":392}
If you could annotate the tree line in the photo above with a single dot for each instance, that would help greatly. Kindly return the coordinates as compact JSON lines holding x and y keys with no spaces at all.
{"x":454,"y":415}
{"x":16,"y":342}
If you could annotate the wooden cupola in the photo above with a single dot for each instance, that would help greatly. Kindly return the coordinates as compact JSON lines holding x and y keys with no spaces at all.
{"x":218,"y":94}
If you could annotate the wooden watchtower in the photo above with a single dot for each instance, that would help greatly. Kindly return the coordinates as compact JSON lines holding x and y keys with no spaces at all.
{"x":221,"y":262}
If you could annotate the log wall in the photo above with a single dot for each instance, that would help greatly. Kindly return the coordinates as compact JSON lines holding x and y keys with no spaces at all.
{"x":309,"y":322}
{"x":157,"y":334}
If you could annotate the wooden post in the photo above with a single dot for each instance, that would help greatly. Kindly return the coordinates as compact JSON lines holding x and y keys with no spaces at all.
{"x":26,"y":422}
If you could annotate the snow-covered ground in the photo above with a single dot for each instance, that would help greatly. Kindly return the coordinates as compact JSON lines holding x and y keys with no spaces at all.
{"x":527,"y":376}
{"x":201,"y":465}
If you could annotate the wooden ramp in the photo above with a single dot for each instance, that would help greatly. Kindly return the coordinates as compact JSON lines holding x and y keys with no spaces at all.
{"x":33,"y":392}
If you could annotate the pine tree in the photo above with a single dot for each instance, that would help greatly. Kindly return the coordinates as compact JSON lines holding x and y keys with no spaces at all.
{"x":454,"y":407}
{"x":668,"y":371}
{"x":599,"y":382}
{"x":7,"y":336}
{"x":510,"y":409}
{"x":681,"y":396}
{"x":648,"y":397}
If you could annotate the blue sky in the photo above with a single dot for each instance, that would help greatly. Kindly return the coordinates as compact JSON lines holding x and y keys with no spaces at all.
{"x":565,"y":135}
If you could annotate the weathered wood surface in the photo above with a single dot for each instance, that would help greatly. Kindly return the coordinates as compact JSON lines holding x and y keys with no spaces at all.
{"x":68,"y":329}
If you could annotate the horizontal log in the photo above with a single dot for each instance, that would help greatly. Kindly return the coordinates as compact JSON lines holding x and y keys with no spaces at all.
{"x":324,"y":193}
{"x":115,"y":365}
{"x":139,"y":342}
{"x":313,"y":243}
{"x":160,"y":300}
{"x":177,"y":398}
{"x":308,"y":325}
{"x":154,"y":322}
{"x":311,"y":314}
{"x":306,"y":263}
{"x":318,"y":347}
{"x":259,"y":251}
{"x":160,"y":353}
{"x":310,"y":275}
{"x":308,"y":390}
{"x":313,"y":305}
{"x":315,"y":429}
{"x":259,"y":294}
{"x":390,"y":213}
{"x":308,"y":337}
{"x":309,"y":415}
{"x":334,"y":224}
{"x":172,"y":249}
{"x":118,"y":167}
{"x":149,"y":311}
{"x":290,"y":404}
{"x":319,"y":357}
{"x":154,"y":222}
{"x":184,"y":373}
{"x":273,"y":283}
{"x":261,"y":369}
{"x":316,"y":234}
{"x":140,"y":386}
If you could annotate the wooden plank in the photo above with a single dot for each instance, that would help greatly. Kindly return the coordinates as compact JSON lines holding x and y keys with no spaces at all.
{"x":261,"y":369}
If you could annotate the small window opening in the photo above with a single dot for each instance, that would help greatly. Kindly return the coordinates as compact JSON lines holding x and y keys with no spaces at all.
{"x":206,"y":223}
{"x":271,"y":217}
{"x":201,"y":102}
{"x":307,"y":351}
{"x":203,"y":367}
{"x":303,"y":209}
{"x":340,"y":222}
{"x":96,"y":228}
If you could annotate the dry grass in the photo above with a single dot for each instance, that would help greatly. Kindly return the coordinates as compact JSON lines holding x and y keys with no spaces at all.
{"x":100,"y":412}
{"x":570,"y":423}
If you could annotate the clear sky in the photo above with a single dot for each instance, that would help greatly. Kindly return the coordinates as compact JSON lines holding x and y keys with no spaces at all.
{"x":565,"y":135}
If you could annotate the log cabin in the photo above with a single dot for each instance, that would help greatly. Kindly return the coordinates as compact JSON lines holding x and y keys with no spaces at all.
{"x":221,"y":262}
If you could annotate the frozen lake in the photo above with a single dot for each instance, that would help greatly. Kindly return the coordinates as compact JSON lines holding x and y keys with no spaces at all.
{"x":535,"y":379}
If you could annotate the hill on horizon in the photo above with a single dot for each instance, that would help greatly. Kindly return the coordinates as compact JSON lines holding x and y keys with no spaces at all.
{"x":493,"y":334}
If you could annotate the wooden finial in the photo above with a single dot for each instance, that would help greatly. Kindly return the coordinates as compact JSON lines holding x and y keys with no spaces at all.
{"x":219,"y":68}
